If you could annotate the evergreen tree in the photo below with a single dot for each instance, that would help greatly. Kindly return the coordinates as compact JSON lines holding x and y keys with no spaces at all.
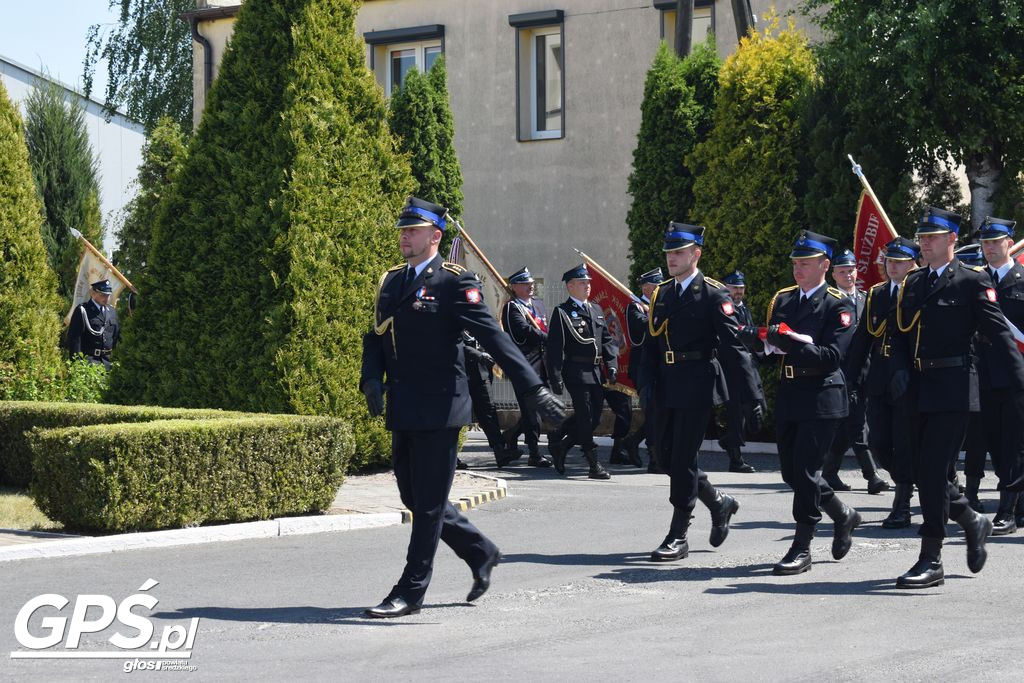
{"x":747,"y":169}
{"x":162,"y":156}
{"x":66,"y":175}
{"x":449,"y":192}
{"x":276,"y":231}
{"x":29,"y":305}
{"x":676,"y":114}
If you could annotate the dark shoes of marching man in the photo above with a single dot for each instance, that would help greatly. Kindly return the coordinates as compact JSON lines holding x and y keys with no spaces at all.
{"x":538,"y":461}
{"x":977,"y":529}
{"x":671,"y":549}
{"x":1005,"y":521}
{"x":899,"y":517}
{"x":834,"y":482}
{"x":845,"y":519}
{"x":460,"y":465}
{"x":557,"y":451}
{"x":741,"y":466}
{"x":482,"y":577}
{"x":927,"y":572}
{"x":391,"y":608}
{"x":798,"y":559}
{"x":876,"y":484}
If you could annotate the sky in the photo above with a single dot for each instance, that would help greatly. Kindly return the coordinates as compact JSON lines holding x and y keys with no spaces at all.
{"x":50,"y":35}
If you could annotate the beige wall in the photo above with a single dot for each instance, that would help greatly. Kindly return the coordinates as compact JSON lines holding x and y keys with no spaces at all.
{"x":218,"y":33}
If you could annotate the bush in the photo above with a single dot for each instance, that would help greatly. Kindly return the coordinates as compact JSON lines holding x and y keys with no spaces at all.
{"x":18,"y":418}
{"x":163,"y":474}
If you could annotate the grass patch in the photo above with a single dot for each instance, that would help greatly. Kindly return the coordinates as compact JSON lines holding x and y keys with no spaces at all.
{"x":18,"y":511}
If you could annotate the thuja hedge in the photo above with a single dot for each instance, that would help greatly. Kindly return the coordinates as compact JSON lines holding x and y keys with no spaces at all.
{"x":175,"y":473}
{"x":18,"y":418}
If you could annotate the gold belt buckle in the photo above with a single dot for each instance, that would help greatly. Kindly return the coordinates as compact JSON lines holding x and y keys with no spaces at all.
{"x":917,"y":363}
{"x":788,"y":370}
{"x":670,"y":358}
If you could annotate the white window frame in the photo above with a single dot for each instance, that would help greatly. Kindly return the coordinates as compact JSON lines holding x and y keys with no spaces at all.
{"x":536,"y":134}
{"x":420,"y":57}
{"x":667,"y":14}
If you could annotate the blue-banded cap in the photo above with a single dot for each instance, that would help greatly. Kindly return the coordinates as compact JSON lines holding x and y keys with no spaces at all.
{"x":102,"y":286}
{"x":844,"y":257}
{"x":902,"y":249}
{"x":937,"y":221}
{"x":996,"y":228}
{"x":419,"y":213}
{"x":810,"y":245}
{"x":580,"y":272}
{"x":735,"y":279}
{"x":682,"y":235}
{"x":652,"y":277}
{"x":521,"y":277}
{"x":970,"y":254}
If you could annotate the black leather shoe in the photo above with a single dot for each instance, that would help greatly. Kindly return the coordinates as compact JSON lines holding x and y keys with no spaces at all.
{"x":557,"y":456}
{"x":876,"y":485}
{"x":618,"y":456}
{"x":727,"y":507}
{"x":653,"y":467}
{"x":976,"y":505}
{"x":741,"y":466}
{"x":925,"y":574}
{"x":834,"y":482}
{"x":671,"y":549}
{"x":503,"y":457}
{"x":796,"y":561}
{"x":538,"y":461}
{"x":460,"y":465}
{"x":634,"y":456}
{"x":842,"y":539}
{"x":977,"y":529}
{"x":897,"y":519}
{"x":482,"y":577}
{"x":598,"y":472}
{"x":391,"y":608}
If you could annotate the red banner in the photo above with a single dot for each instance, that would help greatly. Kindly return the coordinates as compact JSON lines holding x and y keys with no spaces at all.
{"x":871,"y":233}
{"x":607,"y":293}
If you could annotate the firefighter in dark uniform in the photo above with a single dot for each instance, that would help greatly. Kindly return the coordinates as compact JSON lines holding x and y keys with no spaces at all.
{"x":524,"y":318}
{"x":692,"y":333}
{"x":852,"y":430}
{"x":741,"y":417}
{"x":975,"y":448}
{"x":578,"y":342}
{"x":940,"y":307}
{"x":415,"y":350}
{"x":811,"y":400}
{"x":888,"y":436}
{"x":479,"y":375}
{"x":94,"y":329}
{"x":636,"y":329}
{"x":1002,"y":409}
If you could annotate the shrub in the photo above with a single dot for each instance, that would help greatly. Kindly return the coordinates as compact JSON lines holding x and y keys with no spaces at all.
{"x":17,"y":418}
{"x":156,"y":475}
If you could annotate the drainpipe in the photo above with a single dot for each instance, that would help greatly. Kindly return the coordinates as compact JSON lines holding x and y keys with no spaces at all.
{"x":207,"y":54}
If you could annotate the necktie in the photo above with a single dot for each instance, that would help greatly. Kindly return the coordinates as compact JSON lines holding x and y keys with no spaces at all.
{"x":410,"y":275}
{"x":800,"y":303}
{"x":933,"y":277}
{"x":995,"y":275}
{"x":679,"y":290}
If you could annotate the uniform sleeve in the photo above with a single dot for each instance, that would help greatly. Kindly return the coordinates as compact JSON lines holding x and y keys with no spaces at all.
{"x":732,"y":354}
{"x":993,"y":325}
{"x":636,"y":323}
{"x":837,"y":330}
{"x":553,"y":349}
{"x":860,"y":346}
{"x":522,"y":331}
{"x":75,"y":331}
{"x":609,"y":350}
{"x":473,"y":315}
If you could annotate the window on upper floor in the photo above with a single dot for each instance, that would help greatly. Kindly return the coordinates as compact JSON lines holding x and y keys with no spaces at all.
{"x":394,"y":51}
{"x":540,"y":85}
{"x":703,"y":20}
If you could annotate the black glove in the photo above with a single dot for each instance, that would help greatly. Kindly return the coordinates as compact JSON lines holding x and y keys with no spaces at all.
{"x":757,"y":417}
{"x":748,"y":335}
{"x":852,"y":392}
{"x":373,"y":390}
{"x":487,"y":359}
{"x":898,"y":384}
{"x":542,"y":402}
{"x":557,"y":387}
{"x":779,"y":340}
{"x":613,"y":375}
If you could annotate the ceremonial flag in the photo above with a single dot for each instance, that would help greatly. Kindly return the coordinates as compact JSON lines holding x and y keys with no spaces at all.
{"x":493,"y":287}
{"x":613,"y":297}
{"x":94,"y":267}
{"x":1017,"y":252}
{"x":871,"y":232}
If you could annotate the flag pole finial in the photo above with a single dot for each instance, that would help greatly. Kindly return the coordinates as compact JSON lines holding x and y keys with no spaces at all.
{"x":857,"y":171}
{"x":77,"y":235}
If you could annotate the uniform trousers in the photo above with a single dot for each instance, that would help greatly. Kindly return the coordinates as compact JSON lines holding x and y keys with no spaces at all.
{"x":621,"y":407}
{"x":528,"y":425}
{"x":802,"y":448}
{"x":888,"y":438}
{"x":484,"y":411}
{"x":424,"y":463}
{"x":1002,"y":413}
{"x":680,"y":433}
{"x":975,"y":447}
{"x":851,"y":432}
{"x":587,"y":402}
{"x":935,"y":444}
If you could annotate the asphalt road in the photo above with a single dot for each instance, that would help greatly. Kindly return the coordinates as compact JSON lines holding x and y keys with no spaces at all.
{"x":575,"y":598}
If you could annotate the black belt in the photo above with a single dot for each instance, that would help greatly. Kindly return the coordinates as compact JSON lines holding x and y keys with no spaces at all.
{"x":792,"y":372}
{"x":585,"y":359}
{"x":936,"y":363}
{"x":883,"y":350}
{"x":100,"y":352}
{"x":673,"y":357}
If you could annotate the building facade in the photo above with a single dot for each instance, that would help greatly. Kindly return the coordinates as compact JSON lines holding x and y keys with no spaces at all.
{"x":117,"y":143}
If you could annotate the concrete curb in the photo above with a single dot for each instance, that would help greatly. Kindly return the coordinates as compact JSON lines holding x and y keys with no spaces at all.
{"x":72,"y":546}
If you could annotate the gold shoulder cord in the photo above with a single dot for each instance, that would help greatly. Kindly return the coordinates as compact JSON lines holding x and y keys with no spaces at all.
{"x":384,"y":326}
{"x":915,"y":321}
{"x":771,"y":305}
{"x":574,"y":333}
{"x":650,"y":317}
{"x":873,"y":331}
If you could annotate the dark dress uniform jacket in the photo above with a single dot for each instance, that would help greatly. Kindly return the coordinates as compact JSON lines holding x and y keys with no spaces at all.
{"x":812,"y":385}
{"x":687,"y":337}
{"x":748,"y":374}
{"x":1010,"y":293}
{"x":93,"y":331}
{"x":416,"y":344}
{"x":856,"y":376}
{"x":936,"y":327}
{"x":636,"y":328}
{"x":578,"y":340}
{"x":525,"y":332}
{"x":867,"y":363}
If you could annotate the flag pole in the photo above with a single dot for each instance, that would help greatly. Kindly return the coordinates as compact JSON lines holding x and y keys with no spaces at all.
{"x":96,"y":252}
{"x":608,"y":276}
{"x":1017,"y":248}
{"x":480,"y":254}
{"x":857,"y":171}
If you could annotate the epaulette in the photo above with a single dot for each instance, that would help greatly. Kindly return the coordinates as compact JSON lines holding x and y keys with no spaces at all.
{"x":666,"y":281}
{"x":786,"y":289}
{"x":883,"y":283}
{"x":714,"y":283}
{"x":771,"y":304}
{"x":976,"y":269}
{"x":400,"y":266}
{"x":453,"y":267}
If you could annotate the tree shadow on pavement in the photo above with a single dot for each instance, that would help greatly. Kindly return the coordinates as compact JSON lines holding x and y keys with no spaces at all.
{"x":304,"y":614}
{"x":780,"y":586}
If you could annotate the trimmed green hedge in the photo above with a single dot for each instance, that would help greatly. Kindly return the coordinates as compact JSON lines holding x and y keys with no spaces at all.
{"x":18,"y":418}
{"x":175,"y":473}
